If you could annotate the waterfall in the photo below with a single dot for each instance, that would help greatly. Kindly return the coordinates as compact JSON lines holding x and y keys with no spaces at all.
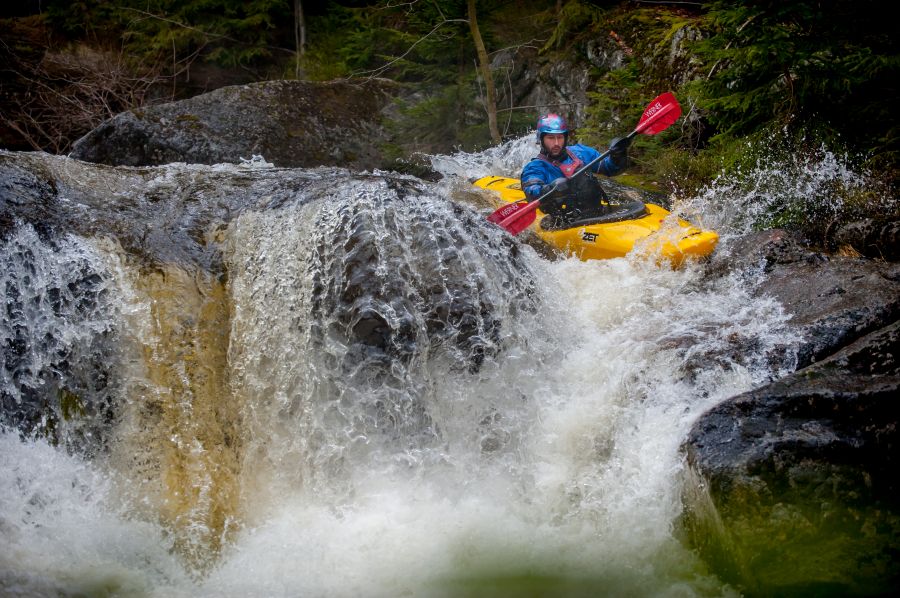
{"x":315,"y":382}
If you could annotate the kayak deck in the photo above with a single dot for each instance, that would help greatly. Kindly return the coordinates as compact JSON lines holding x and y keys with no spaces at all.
{"x":655,"y":233}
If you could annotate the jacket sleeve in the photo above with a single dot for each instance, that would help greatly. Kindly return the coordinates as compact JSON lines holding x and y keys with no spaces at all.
{"x":606,"y":166}
{"x":534,"y":176}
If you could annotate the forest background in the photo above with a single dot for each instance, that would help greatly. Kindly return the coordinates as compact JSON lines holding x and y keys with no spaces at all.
{"x":754,"y":76}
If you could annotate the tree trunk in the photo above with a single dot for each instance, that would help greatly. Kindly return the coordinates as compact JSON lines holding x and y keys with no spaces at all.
{"x":299,"y":35}
{"x":485,"y":68}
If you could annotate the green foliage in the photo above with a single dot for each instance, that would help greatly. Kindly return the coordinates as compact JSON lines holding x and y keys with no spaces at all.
{"x":82,"y":18}
{"x":760,"y":64}
{"x":445,"y":118}
{"x":685,"y":172}
{"x":618,"y":99}
{"x":514,"y":123}
{"x":228,"y":32}
{"x":429,"y":47}
{"x":786,"y":62}
{"x":341,"y":41}
{"x":427,"y":44}
{"x":574,"y":17}
{"x":644,"y":38}
{"x":831,"y":70}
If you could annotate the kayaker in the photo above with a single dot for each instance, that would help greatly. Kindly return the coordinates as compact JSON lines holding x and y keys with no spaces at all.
{"x":574,"y":198}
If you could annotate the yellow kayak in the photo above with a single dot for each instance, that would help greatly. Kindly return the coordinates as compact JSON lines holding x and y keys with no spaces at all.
{"x":628,"y":227}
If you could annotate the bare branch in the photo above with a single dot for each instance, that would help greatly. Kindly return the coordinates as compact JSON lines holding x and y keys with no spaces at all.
{"x":67,"y":95}
{"x":674,"y":2}
{"x":527,"y":44}
{"x":378,"y":71}
{"x":540,"y":106}
{"x":388,"y":5}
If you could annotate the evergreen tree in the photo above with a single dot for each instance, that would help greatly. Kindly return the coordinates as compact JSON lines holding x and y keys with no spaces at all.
{"x":827,"y":64}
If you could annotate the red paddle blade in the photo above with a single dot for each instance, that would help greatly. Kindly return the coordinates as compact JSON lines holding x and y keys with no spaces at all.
{"x":520,"y":223}
{"x":659,"y":115}
{"x":506,"y":210}
{"x":503,"y":216}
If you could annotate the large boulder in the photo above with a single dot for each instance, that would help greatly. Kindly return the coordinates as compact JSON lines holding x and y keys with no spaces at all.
{"x":790,"y":487}
{"x":872,"y":237}
{"x":289,"y":123}
{"x":556,"y":85}
{"x":832,"y":299}
{"x":378,"y":272}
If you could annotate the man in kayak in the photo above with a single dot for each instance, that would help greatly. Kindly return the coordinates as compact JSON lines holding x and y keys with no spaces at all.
{"x":573,"y":198}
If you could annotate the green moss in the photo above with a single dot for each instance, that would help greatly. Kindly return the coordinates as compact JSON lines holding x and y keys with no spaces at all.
{"x":688,"y":171}
{"x":641,"y":181}
{"x":189,"y":121}
{"x":772,"y":538}
{"x":70,"y":404}
{"x":573,"y":19}
{"x":525,"y":585}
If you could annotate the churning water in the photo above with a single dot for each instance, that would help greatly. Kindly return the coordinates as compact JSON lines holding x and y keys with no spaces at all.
{"x":373,"y":395}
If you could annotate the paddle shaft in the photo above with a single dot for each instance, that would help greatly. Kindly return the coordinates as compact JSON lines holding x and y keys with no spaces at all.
{"x":535,"y":204}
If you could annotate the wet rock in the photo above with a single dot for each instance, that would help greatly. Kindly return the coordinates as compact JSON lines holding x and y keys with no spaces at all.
{"x":871,"y":237}
{"x":289,"y":123}
{"x":832,"y":300}
{"x":403,"y":284}
{"x":158,"y":216}
{"x":398,"y":275}
{"x":558,"y":85}
{"x":682,"y":62}
{"x":759,"y":252}
{"x":791,"y":488}
{"x":835,"y":302}
{"x":57,"y":341}
{"x":607,"y":53}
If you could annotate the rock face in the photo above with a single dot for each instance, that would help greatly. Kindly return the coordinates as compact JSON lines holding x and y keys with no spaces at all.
{"x":791,"y":487}
{"x":558,"y":86}
{"x":832,"y":300}
{"x":289,"y":123}
{"x":871,"y":237}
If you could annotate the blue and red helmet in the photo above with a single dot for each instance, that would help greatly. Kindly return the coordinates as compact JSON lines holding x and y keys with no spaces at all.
{"x":551,"y":123}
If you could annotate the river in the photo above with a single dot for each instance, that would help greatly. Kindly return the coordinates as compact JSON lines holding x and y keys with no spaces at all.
{"x":522,"y":439}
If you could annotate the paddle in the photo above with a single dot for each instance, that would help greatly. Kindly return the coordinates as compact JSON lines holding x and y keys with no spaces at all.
{"x":658,"y":116}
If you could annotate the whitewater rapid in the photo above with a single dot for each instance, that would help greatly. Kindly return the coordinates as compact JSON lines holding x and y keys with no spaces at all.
{"x":552,"y":463}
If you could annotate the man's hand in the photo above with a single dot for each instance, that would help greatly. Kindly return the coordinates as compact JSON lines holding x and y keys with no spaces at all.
{"x":533,"y":191}
{"x":554,"y":195}
{"x":560,"y":186}
{"x":618,"y":151}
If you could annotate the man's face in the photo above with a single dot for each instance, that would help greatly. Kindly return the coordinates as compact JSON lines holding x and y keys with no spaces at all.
{"x":554,"y":145}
